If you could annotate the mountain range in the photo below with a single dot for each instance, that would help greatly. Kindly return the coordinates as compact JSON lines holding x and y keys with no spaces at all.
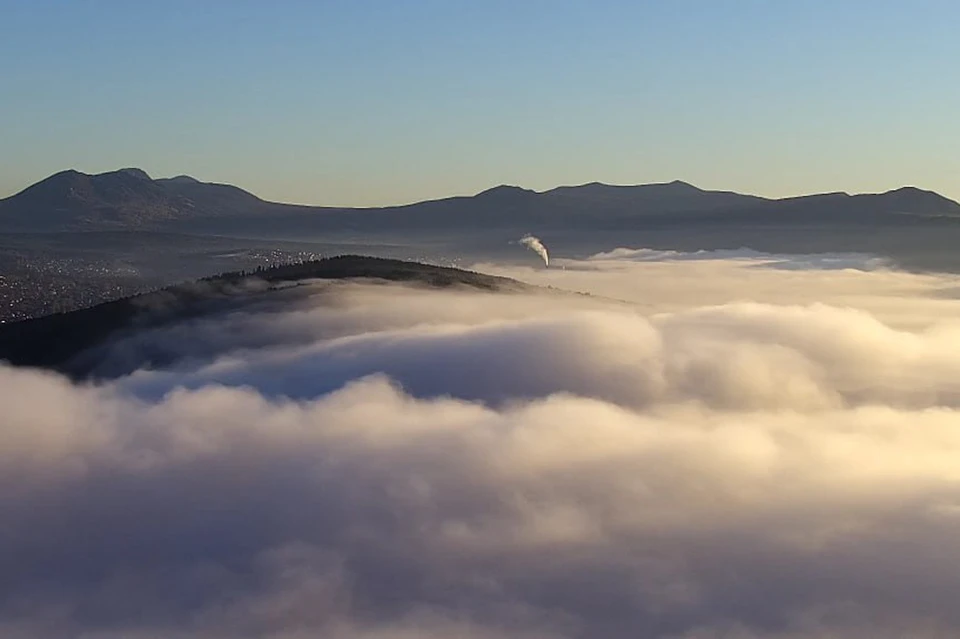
{"x":129,"y":199}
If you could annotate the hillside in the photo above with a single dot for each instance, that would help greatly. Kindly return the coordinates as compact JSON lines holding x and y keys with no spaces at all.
{"x":124,"y":198}
{"x":127,"y":199}
{"x":55,"y":340}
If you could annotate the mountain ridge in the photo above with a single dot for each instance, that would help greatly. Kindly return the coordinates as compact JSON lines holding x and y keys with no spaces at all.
{"x":131,"y":198}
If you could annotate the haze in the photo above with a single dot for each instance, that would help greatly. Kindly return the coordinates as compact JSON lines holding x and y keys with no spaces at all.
{"x":385,"y":103}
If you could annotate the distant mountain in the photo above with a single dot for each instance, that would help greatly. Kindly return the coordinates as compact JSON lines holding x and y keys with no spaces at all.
{"x":209,"y":198}
{"x":127,"y":197}
{"x":123,"y":199}
{"x":130,"y":199}
{"x":672,"y":197}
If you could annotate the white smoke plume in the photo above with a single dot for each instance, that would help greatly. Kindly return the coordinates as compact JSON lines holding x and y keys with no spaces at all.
{"x":751,"y":452}
{"x":534,"y":244}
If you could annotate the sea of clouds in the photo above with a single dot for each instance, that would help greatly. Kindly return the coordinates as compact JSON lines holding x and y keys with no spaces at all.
{"x":706,"y":446}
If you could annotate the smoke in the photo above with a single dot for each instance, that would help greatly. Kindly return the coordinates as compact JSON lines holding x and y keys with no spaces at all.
{"x":749,"y":452}
{"x":534,"y":244}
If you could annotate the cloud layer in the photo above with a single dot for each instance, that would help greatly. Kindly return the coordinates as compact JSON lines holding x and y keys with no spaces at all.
{"x":775,"y":459}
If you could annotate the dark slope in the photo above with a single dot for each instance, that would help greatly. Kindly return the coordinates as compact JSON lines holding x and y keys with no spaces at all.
{"x":210,"y":198}
{"x":130,"y":199}
{"x":127,"y":199}
{"x":672,"y":197}
{"x":53,"y":341}
{"x":844,"y":208}
{"x":594,"y":208}
{"x":70,"y":199}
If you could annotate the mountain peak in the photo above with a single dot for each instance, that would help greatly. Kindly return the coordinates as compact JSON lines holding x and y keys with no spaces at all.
{"x":133,"y":172}
{"x":505,"y":190}
{"x":676,"y":186}
{"x":910,"y":190}
{"x":911,"y":199}
{"x":180,"y":179}
{"x":73,"y":199}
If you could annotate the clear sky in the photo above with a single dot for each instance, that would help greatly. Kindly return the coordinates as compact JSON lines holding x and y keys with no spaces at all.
{"x":386,"y":101}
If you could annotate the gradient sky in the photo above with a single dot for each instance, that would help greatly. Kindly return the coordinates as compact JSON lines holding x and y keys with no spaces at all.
{"x":361,"y":102}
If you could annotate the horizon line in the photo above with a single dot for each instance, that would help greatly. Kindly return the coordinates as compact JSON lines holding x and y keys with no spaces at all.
{"x":478,"y":193}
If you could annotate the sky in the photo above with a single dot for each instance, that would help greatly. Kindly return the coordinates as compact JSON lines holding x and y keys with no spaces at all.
{"x":369,"y":102}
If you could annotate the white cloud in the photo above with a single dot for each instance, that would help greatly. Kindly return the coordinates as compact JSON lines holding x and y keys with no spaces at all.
{"x":396,"y":462}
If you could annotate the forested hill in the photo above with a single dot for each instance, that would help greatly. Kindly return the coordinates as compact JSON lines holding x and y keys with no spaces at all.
{"x":52,"y":341}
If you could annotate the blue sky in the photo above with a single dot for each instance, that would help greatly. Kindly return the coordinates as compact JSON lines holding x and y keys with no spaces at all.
{"x":386,"y":101}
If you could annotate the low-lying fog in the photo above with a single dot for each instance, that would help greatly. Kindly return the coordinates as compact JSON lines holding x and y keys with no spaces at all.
{"x":725,"y":445}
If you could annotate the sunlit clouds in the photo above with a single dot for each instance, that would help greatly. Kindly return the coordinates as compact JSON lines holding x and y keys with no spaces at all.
{"x":728,"y":447}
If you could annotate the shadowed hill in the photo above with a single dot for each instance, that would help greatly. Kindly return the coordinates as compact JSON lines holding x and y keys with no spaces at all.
{"x":123,"y":200}
{"x":676,"y":196}
{"x":130,"y":199}
{"x":54,"y":340}
{"x":215,"y":198}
